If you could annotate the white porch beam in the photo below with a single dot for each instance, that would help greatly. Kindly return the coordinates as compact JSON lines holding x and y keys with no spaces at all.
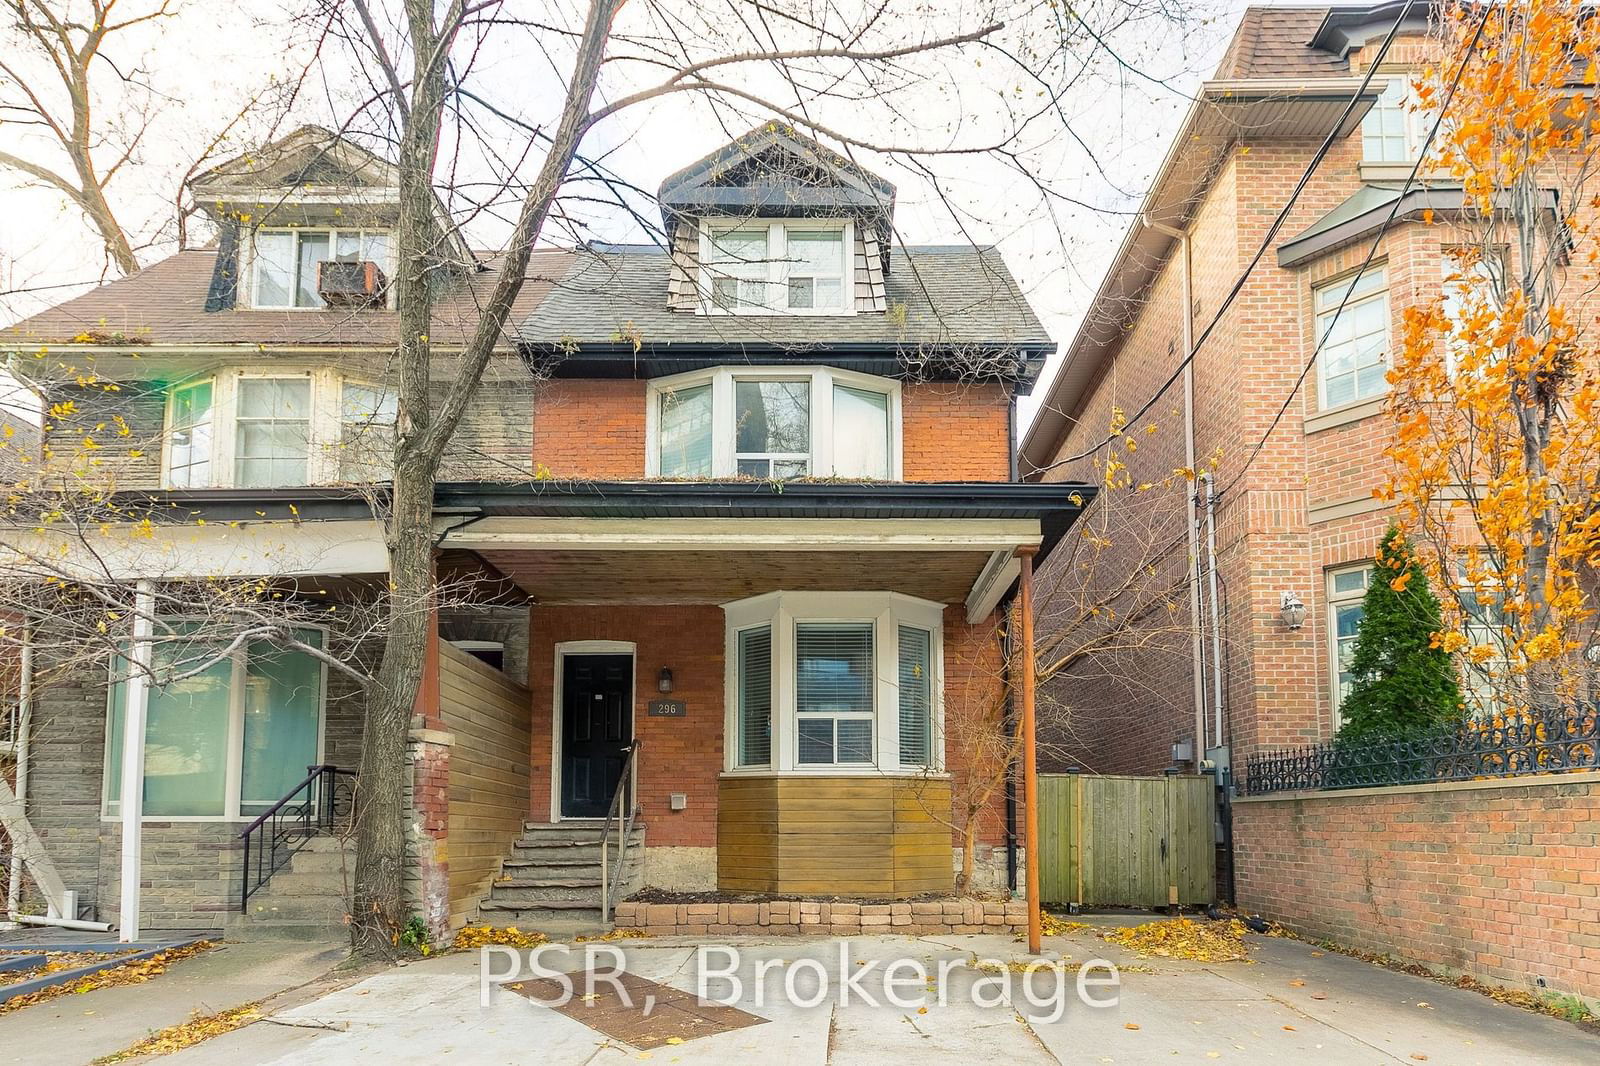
{"x":998,"y":574}
{"x":215,"y":549}
{"x":506,"y":532}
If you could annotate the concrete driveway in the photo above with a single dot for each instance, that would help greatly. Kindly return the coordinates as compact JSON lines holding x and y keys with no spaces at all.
{"x":1287,"y":1005}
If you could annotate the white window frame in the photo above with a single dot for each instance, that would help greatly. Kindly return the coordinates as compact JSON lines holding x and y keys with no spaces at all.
{"x":1414,"y":121}
{"x":778,"y":265}
{"x":724,"y":458}
{"x":170,"y":427}
{"x":1337,"y":600}
{"x":886,"y":612}
{"x":248,"y":253}
{"x":326,"y":419}
{"x":234,"y":778}
{"x":1318,"y":329}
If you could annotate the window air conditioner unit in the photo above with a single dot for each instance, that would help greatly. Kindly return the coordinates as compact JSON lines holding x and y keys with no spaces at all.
{"x":346,"y":283}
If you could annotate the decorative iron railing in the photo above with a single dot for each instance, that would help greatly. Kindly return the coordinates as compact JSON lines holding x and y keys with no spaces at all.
{"x":624,"y":806}
{"x":1503,"y":746}
{"x":319,"y":804}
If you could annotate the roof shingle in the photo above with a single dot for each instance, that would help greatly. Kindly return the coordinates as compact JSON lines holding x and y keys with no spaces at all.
{"x":1273,"y":42}
{"x":165,"y":304}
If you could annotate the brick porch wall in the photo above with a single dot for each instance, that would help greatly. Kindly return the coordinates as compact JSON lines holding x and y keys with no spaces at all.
{"x":814,"y":918}
{"x":1499,"y":879}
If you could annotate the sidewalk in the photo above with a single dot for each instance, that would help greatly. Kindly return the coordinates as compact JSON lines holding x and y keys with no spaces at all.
{"x":1289,"y":1005}
{"x":75,"y":1029}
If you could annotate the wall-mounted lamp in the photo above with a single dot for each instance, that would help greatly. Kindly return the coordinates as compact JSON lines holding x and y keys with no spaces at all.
{"x":664,"y":681}
{"x":1292,"y":610}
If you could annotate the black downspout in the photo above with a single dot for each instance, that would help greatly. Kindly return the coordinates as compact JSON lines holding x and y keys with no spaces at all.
{"x":1005,"y":670}
{"x":1011,"y":778}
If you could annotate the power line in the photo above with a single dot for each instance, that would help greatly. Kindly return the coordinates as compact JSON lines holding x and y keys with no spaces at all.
{"x":1266,"y":242}
{"x":1372,"y":251}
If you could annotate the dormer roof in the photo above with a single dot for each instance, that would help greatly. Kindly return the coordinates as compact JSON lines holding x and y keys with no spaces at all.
{"x":311,"y":171}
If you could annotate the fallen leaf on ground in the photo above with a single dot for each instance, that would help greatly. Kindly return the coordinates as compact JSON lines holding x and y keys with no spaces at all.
{"x":476,"y":936}
{"x":1290,"y":1029}
{"x":1319,"y":995}
{"x":1419,"y":1056}
{"x":1185,"y":939}
{"x":187,"y":1034}
{"x":1130,"y":1025}
{"x":1297,"y":983}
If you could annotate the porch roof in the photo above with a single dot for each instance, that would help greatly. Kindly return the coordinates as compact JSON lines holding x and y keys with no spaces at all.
{"x":711,"y":542}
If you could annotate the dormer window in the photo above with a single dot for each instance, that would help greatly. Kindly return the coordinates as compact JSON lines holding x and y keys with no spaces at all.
{"x":1392,"y":133}
{"x":285,"y":263}
{"x":766,"y":266}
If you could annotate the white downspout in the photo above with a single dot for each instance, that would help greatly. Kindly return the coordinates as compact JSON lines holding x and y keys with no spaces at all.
{"x":1216,"y":614}
{"x":133,"y":728}
{"x":20,"y":739}
{"x":1196,"y":622}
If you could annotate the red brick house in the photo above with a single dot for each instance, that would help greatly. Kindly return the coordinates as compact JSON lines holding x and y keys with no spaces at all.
{"x":748,"y":499}
{"x":1296,"y":522}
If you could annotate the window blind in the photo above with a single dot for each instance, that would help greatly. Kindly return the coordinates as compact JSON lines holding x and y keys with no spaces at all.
{"x":916,"y":741}
{"x":755,"y":696}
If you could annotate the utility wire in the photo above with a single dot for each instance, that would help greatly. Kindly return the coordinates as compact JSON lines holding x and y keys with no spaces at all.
{"x":1261,"y":250}
{"x":1372,"y":251}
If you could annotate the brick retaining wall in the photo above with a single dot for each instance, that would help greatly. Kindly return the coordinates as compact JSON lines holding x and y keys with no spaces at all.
{"x":789,"y":917}
{"x":1499,"y":879}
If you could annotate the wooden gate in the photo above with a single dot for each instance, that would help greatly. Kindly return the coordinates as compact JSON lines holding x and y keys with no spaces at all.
{"x":1109,"y":841}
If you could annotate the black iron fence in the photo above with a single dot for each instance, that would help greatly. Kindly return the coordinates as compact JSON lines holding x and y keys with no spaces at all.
{"x":321,"y":803}
{"x":1504,"y":746}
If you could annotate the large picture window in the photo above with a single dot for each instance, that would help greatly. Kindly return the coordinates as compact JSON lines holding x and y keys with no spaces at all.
{"x":1354,"y":358}
{"x":776,"y":423}
{"x":769,"y":266}
{"x":834,"y":681}
{"x":227,"y":735}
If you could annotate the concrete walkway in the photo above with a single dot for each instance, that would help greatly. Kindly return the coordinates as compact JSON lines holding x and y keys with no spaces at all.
{"x":76,"y":1029}
{"x":1287,"y":1005}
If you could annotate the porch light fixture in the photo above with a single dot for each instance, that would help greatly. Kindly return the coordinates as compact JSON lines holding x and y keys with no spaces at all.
{"x":664,"y":681}
{"x":1292,"y":610}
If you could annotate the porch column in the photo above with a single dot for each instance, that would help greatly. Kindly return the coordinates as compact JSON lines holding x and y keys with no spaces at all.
{"x":1030,"y":755}
{"x":428,"y":815}
{"x":135,"y":701}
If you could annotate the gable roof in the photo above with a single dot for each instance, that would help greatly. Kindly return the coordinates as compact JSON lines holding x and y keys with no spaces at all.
{"x":943,"y":301}
{"x":775,"y":170}
{"x":1275,"y":42}
{"x":164,"y":304}
{"x":310,"y":155}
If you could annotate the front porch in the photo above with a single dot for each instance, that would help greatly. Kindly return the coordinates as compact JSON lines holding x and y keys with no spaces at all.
{"x":780,"y":659}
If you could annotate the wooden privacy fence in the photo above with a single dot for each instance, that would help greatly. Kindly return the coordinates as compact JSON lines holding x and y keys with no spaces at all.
{"x":1107,"y":841}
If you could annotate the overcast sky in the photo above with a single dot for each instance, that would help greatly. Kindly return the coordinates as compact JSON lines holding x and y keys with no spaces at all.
{"x":205,"y":66}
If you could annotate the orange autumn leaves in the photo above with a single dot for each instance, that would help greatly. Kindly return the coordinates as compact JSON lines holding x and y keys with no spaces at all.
{"x":1494,"y":384}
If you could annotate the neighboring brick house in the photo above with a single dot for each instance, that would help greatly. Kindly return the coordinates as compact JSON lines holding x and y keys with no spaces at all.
{"x":1300,"y":518}
{"x":752,"y":495}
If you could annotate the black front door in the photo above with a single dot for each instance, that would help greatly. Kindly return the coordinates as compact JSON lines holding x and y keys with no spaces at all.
{"x":596,"y":729}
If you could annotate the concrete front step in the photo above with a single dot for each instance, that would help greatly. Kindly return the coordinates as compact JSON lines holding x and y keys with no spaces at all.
{"x":292,"y":881}
{"x":542,"y":915}
{"x":310,"y":910}
{"x":288,"y":929}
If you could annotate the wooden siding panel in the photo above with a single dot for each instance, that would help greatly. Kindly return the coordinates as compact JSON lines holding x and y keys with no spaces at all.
{"x":490,"y":716}
{"x":844,"y":836}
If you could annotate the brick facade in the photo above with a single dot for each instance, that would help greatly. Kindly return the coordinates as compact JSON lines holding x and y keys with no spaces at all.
{"x":1496,"y":879}
{"x":595,"y":428}
{"x":815,"y":918}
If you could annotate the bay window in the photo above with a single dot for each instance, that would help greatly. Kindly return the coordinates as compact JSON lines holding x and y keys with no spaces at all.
{"x":777,"y":423}
{"x":246,"y":428}
{"x":766,"y":266}
{"x":227,"y":734}
{"x":834,"y":682}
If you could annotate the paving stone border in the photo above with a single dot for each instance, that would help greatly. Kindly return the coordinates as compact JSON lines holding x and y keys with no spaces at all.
{"x":803,"y":917}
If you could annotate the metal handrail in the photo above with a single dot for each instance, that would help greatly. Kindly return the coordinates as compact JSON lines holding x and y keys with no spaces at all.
{"x":307,"y":809}
{"x":627,"y":785}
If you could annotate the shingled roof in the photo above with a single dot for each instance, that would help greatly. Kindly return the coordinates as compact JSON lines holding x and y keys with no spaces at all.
{"x":1275,"y":42}
{"x":165,"y":304}
{"x":937,"y":295}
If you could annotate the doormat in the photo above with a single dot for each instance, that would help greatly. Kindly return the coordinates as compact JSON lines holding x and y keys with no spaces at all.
{"x":652,"y":1014}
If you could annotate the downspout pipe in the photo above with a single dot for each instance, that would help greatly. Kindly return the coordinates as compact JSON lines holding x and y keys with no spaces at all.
{"x":1192,"y":527}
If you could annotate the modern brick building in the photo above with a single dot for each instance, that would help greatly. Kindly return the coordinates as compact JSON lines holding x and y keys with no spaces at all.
{"x":1297,"y":441}
{"x":746,"y":502}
